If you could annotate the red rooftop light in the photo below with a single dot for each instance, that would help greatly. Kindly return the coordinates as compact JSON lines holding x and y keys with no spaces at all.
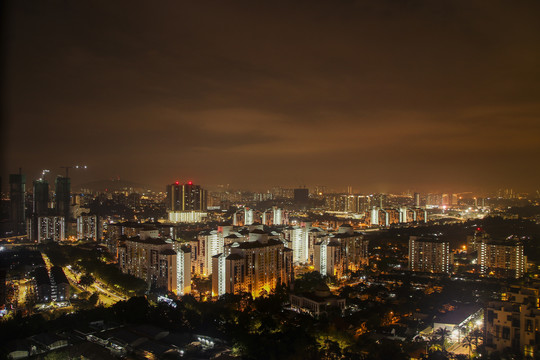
{"x":190,"y":182}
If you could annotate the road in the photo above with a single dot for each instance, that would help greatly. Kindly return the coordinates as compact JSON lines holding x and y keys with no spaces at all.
{"x":107,"y":296}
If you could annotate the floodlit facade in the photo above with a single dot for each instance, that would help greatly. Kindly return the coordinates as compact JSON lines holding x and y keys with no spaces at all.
{"x":300,"y":241}
{"x":208,"y":244}
{"x":429,"y":255}
{"x":183,"y":270}
{"x":256,"y":266}
{"x":190,"y":216}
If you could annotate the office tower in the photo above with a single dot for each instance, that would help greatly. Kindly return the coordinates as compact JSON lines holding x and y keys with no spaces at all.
{"x":417,"y":199}
{"x":17,"y":192}
{"x":186,"y":197}
{"x":194,"y":198}
{"x":40,"y":199}
{"x":502,"y":258}
{"x":429,"y":255}
{"x":256,"y":266}
{"x":174,"y":200}
{"x":63,"y":196}
{"x":513,"y":322}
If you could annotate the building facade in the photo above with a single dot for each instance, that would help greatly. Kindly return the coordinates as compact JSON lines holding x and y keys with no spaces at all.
{"x":256,"y":266}
{"x":155,"y":260}
{"x":514,"y":322}
{"x":429,"y":255}
{"x":502,"y":258}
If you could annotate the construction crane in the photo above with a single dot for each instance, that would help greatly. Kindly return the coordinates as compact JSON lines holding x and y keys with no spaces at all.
{"x":43,"y":173}
{"x":72,"y":167}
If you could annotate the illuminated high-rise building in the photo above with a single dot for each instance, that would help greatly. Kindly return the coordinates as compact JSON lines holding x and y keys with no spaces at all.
{"x":502,"y":258}
{"x":51,"y":228}
{"x":155,"y":260}
{"x":256,"y":266}
{"x":298,"y":238}
{"x":194,"y":198}
{"x":88,"y":227}
{"x":417,"y":199}
{"x":174,"y":197}
{"x":327,"y":256}
{"x":186,"y":197}
{"x":183,"y":270}
{"x":429,"y":255}
{"x":338,"y":253}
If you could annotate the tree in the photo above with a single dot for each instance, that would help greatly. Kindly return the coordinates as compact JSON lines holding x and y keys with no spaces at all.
{"x":443,"y":334}
{"x":476,"y":334}
{"x":469,"y":344}
{"x":93,"y":299}
{"x":86,"y":280}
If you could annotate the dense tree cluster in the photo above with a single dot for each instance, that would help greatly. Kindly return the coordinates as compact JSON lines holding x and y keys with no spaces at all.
{"x":90,"y":260}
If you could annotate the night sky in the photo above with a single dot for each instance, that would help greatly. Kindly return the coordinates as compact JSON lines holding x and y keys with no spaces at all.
{"x":380,"y":95}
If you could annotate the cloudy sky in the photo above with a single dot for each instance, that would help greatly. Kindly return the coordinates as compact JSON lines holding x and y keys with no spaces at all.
{"x":381,"y":95}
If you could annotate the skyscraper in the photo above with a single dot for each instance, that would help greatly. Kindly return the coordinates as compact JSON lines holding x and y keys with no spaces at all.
{"x":417,"y":199}
{"x":186,"y":197}
{"x":194,"y":198}
{"x":41,"y":197}
{"x":17,"y":190}
{"x":63,"y":196}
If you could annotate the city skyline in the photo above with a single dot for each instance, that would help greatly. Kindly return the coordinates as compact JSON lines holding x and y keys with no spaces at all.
{"x":383,"y":97}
